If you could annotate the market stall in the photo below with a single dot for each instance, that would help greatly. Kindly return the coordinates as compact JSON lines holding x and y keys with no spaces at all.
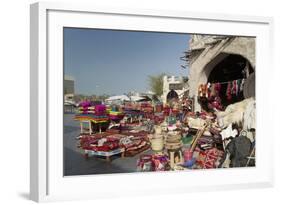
{"x":171,"y":136}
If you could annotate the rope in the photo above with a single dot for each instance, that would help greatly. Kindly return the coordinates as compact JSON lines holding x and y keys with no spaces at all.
{"x":226,"y":82}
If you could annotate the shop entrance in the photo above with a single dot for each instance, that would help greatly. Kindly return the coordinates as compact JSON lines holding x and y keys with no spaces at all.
{"x":172,"y":95}
{"x":232,"y":67}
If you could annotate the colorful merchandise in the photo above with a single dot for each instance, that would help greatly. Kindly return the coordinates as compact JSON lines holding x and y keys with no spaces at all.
{"x":209,"y":158}
{"x":154,"y":162}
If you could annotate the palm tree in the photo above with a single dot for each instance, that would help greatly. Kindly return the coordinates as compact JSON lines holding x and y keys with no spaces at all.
{"x":156,"y":83}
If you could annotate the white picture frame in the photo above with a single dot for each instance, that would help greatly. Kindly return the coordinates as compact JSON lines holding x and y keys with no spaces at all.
{"x":47,"y":182}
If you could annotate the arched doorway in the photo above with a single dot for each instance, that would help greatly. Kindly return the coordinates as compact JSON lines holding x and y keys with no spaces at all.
{"x":231,"y":67}
{"x":172,"y":95}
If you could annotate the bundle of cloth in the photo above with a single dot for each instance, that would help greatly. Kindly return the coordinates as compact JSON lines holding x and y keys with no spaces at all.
{"x":234,"y":88}
{"x":132,"y":115}
{"x":96,"y":113}
{"x":146,"y":107}
{"x":238,"y":149}
{"x":134,"y":144}
{"x":158,"y":117}
{"x":154,"y":162}
{"x":132,"y":112}
{"x":198,"y":120}
{"x":158,"y":108}
{"x":208,"y":159}
{"x":209,"y":90}
{"x":239,"y":113}
{"x":132,"y":106}
{"x":115,"y":114}
{"x":86,"y":107}
{"x":238,"y":123}
{"x":167,"y":110}
{"x":100,"y":144}
{"x":206,"y":142}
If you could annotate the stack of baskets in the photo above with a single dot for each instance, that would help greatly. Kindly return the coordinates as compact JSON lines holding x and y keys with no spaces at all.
{"x":157,"y":140}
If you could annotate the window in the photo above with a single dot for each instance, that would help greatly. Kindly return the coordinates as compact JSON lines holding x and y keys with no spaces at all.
{"x":176,"y":86}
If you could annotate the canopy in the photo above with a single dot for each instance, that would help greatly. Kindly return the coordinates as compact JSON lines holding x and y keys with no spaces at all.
{"x":118,"y":97}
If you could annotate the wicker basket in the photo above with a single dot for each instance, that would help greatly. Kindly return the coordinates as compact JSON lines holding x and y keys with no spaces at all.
{"x":157,"y":142}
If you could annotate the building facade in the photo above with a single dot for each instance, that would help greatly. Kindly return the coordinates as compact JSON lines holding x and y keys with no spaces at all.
{"x":68,"y":88}
{"x":176,"y":83}
{"x":220,"y":59}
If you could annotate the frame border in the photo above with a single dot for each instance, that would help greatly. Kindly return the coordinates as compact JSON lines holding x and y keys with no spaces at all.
{"x":39,"y":187}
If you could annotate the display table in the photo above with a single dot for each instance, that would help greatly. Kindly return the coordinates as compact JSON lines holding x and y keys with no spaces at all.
{"x":91,"y":118}
{"x":82,"y":129}
{"x":89,"y":153}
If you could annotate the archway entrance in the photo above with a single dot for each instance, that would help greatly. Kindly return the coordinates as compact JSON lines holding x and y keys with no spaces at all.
{"x":172,"y":95}
{"x":232,"y":67}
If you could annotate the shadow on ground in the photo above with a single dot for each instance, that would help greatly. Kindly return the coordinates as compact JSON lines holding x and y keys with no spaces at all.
{"x":24,"y":195}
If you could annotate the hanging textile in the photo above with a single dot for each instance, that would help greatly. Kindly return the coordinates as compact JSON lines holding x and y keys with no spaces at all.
{"x":203,"y":90}
{"x":238,"y":86}
{"x":242,"y":85}
{"x":217,"y":88}
{"x":208,"y":90}
{"x":200,"y":90}
{"x":213,"y":92}
{"x":234,"y":89}
{"x":228,"y":91}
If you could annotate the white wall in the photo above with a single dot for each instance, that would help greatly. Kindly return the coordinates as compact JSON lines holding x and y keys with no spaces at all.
{"x":14,"y":84}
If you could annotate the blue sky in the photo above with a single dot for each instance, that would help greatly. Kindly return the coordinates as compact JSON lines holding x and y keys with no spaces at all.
{"x":116,"y":62}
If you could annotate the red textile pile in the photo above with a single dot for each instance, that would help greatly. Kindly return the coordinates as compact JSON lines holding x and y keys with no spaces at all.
{"x":153,"y":162}
{"x":112,"y":142}
{"x":209,"y":158}
{"x":97,"y":143}
{"x":146,"y":107}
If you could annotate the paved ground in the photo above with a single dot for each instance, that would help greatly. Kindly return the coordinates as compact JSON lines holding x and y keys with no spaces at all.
{"x":76,"y":164}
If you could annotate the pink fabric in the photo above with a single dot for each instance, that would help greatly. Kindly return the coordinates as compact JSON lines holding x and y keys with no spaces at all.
{"x":100,"y":109}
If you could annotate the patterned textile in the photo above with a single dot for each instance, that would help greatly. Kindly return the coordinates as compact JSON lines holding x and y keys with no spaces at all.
{"x":91,"y":117}
{"x":112,"y":142}
{"x":155,"y":162}
{"x":209,"y":158}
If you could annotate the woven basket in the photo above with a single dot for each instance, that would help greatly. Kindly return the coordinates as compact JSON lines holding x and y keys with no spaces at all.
{"x":158,"y":130}
{"x":173,"y":141}
{"x":157,"y":142}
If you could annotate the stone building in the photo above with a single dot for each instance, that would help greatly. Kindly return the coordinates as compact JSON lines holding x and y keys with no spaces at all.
{"x":220,"y":59}
{"x":68,"y":89}
{"x":174,"y":83}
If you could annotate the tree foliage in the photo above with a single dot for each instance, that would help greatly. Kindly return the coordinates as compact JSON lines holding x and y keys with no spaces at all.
{"x":156,"y":83}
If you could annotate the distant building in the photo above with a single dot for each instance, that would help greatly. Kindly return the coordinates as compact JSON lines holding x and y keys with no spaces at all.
{"x":68,"y":89}
{"x":176,"y":83}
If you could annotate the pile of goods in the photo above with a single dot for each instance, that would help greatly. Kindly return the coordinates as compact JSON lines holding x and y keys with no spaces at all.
{"x":174,"y":136}
{"x":98,"y":144}
{"x":209,"y":158}
{"x":146,"y":107}
{"x":93,"y":113}
{"x":115,"y":115}
{"x":154,"y":162}
{"x":157,"y":140}
{"x":135,"y":144}
{"x":206,"y":140}
{"x":173,"y":146}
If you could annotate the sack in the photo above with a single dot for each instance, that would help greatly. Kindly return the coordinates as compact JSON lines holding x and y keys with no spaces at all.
{"x":239,"y":149}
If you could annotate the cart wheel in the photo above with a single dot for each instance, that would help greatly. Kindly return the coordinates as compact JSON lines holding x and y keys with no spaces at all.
{"x":86,"y":156}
